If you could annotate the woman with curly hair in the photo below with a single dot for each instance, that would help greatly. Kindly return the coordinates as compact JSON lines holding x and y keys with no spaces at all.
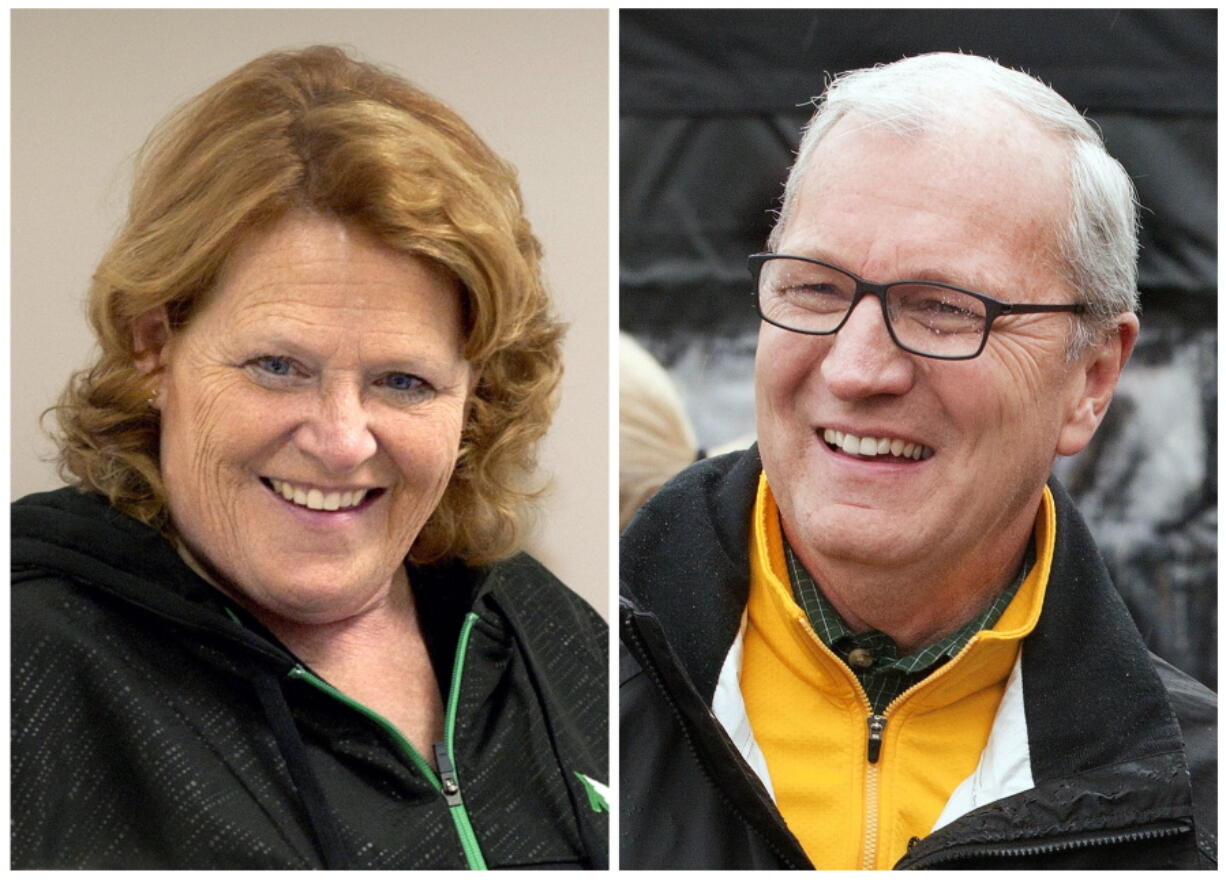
{"x":279,"y":621}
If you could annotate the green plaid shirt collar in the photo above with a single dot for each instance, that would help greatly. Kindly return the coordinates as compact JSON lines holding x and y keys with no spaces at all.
{"x":881,"y":672}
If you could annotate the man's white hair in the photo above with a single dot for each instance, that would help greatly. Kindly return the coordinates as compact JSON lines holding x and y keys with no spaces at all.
{"x":1098,"y":244}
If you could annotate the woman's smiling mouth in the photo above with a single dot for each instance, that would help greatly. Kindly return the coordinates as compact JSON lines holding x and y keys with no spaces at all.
{"x":318,"y":499}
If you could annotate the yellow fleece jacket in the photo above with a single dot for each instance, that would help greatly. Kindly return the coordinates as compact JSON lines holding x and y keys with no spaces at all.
{"x":809,"y":714}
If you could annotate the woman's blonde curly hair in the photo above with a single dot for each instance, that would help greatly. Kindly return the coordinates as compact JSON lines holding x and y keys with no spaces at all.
{"x":320,"y":131}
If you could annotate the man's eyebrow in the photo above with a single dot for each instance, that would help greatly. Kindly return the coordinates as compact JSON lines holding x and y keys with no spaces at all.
{"x":968,"y":280}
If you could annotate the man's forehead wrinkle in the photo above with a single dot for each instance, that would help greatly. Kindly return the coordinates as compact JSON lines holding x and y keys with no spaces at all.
{"x":996,"y":128}
{"x":912,"y":261}
{"x":1020,"y":206}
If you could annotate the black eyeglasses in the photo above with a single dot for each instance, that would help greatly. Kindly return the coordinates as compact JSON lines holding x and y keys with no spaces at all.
{"x":927,"y":318}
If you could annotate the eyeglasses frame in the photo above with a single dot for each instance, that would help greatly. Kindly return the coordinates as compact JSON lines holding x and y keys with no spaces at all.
{"x":994,"y":308}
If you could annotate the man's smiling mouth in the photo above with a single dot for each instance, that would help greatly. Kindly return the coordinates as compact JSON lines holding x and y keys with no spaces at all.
{"x":873,"y":447}
{"x":318,"y":499}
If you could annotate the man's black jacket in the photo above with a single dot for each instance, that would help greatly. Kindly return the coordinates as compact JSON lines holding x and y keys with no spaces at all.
{"x":1122,"y":745}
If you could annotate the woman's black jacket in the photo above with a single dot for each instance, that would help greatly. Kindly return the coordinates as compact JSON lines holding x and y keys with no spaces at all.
{"x":155,"y":725}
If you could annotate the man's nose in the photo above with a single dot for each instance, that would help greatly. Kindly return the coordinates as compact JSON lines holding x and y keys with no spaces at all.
{"x":337,"y":431}
{"x":863,"y":360}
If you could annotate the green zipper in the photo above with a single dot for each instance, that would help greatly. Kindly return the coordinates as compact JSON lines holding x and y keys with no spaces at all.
{"x":446,"y":782}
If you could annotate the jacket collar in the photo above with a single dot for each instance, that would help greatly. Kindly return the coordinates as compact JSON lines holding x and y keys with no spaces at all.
{"x":1093,"y":697}
{"x":80,"y":535}
{"x":702,"y":518}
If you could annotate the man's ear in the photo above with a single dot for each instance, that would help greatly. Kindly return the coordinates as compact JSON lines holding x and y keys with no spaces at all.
{"x":1098,"y":371}
{"x":150,"y":334}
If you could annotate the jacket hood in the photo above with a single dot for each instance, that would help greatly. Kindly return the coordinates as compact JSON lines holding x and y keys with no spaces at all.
{"x":79,"y":535}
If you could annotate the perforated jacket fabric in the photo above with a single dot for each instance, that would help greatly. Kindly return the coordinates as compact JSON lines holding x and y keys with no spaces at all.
{"x":153,"y":727}
{"x":1122,"y":746}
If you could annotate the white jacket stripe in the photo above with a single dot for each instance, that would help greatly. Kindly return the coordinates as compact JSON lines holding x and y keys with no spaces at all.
{"x":728,"y":706}
{"x":1004,"y":765}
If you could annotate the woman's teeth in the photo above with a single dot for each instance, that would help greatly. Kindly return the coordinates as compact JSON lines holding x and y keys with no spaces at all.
{"x":873,"y":446}
{"x":316,"y":499}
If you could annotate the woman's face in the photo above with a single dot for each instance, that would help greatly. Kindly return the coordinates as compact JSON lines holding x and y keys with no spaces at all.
{"x":311,"y":416}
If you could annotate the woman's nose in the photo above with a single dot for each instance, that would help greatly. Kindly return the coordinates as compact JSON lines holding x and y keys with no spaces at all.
{"x":862,"y":360}
{"x":337,"y":432}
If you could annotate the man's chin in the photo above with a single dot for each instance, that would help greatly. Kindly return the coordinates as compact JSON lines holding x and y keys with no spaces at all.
{"x":854,"y":533}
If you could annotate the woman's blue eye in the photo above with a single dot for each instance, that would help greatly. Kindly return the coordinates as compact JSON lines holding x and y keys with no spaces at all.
{"x":269,"y":367}
{"x":278,"y":366}
{"x":406,"y":386}
{"x":402,"y":382}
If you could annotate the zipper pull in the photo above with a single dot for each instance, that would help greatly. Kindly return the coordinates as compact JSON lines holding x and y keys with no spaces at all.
{"x":446,"y":775}
{"x":876,"y":724}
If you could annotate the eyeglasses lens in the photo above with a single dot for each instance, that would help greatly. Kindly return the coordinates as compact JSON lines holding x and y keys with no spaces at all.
{"x":927,"y":318}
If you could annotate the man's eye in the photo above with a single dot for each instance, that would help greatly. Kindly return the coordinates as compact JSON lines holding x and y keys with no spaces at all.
{"x":816,"y":296}
{"x":815,"y":290}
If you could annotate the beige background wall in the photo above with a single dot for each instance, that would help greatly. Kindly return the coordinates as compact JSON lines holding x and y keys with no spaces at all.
{"x":87,"y":87}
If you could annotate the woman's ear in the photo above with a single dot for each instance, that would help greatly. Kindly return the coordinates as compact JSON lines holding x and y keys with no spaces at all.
{"x":150,"y":333}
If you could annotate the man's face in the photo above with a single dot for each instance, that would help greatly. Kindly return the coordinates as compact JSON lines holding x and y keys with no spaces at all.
{"x":977,"y":208}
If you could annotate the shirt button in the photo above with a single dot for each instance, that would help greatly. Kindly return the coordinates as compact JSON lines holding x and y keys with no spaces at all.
{"x":860,"y":658}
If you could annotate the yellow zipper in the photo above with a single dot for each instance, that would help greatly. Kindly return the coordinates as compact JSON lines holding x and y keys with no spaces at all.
{"x":872,"y":772}
{"x":876,"y":739}
{"x":872,"y":820}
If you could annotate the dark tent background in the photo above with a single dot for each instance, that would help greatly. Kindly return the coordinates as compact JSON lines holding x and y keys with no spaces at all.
{"x":712,"y":103}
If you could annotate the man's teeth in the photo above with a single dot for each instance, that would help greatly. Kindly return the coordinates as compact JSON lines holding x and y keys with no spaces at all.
{"x":870,"y":446}
{"x":317,"y":500}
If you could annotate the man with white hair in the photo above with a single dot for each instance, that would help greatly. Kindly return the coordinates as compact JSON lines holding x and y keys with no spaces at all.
{"x":883,"y":637}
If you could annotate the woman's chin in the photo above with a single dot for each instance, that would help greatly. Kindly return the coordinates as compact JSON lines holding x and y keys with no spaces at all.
{"x":316,"y":600}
